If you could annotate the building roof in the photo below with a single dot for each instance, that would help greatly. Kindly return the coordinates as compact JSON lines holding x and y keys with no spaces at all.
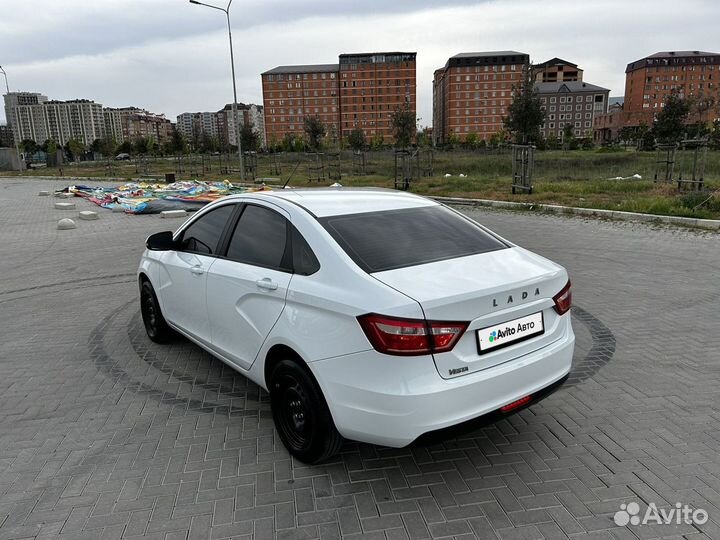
{"x":487,"y":54}
{"x":674,"y":57}
{"x":304,"y":68}
{"x":569,"y":87}
{"x":554,"y":62}
{"x":388,"y":53}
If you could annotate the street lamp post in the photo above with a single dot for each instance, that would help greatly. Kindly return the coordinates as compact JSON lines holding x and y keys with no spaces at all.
{"x":17,"y":148}
{"x":232,"y":67}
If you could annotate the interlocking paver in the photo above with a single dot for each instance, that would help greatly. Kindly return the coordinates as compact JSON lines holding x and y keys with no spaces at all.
{"x":104,"y":434}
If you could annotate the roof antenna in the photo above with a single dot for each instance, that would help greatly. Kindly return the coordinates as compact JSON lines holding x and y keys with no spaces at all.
{"x":291,"y":174}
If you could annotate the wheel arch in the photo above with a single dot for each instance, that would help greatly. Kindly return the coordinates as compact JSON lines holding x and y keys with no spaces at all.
{"x":275,"y":355}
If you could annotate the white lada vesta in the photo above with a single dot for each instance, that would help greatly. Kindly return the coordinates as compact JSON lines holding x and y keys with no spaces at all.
{"x":371,"y":315}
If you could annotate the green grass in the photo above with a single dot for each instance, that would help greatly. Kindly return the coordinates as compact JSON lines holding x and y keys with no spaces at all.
{"x":571,"y":178}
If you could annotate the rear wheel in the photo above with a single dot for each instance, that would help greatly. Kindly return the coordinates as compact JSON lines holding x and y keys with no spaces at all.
{"x":155,"y":326}
{"x":301,"y":414}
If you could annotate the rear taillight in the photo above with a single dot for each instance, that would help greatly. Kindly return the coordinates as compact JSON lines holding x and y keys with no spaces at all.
{"x":407,"y":337}
{"x":563,"y":299}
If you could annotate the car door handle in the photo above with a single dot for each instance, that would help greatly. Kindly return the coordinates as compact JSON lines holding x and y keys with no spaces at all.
{"x":198,"y":270}
{"x":266,"y":283}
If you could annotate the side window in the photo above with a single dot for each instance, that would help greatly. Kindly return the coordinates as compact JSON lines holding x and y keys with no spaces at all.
{"x":203,"y":235}
{"x":304,"y":260}
{"x":260,"y":239}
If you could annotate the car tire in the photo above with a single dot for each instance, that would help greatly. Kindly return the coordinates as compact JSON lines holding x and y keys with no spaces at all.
{"x":155,"y":325}
{"x":301,"y":414}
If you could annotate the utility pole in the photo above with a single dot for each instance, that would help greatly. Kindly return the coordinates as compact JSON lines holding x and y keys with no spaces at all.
{"x":232,"y":67}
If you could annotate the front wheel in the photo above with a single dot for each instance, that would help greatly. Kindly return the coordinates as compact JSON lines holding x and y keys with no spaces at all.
{"x":301,"y":414}
{"x":155,"y":326}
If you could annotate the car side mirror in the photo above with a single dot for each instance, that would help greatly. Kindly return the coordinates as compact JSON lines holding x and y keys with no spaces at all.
{"x":162,"y":241}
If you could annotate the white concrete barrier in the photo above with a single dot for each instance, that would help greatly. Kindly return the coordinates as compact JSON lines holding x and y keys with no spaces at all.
{"x":88,"y":215}
{"x":173,"y":214}
{"x":64,"y":205}
{"x":65,"y":224}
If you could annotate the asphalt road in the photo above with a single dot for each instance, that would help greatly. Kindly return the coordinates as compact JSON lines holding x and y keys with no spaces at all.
{"x":106,"y":435}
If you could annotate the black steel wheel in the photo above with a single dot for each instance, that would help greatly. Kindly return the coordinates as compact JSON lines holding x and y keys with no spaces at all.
{"x":301,"y":414}
{"x":155,"y":325}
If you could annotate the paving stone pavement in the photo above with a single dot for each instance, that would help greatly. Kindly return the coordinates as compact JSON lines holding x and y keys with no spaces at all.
{"x":104,"y":434}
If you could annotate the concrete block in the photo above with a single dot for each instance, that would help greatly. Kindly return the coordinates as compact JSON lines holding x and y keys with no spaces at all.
{"x":64,"y":195}
{"x":88,"y":215}
{"x":173,"y":214}
{"x":64,"y":205}
{"x":65,"y":224}
{"x":44,"y":193}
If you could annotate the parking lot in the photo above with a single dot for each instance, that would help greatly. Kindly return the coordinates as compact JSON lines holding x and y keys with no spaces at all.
{"x":104,"y":434}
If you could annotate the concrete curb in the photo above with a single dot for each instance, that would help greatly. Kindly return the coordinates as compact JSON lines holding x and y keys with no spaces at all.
{"x":711,"y":224}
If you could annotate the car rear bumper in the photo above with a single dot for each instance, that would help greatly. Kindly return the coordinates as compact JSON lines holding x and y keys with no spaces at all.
{"x":391,"y":401}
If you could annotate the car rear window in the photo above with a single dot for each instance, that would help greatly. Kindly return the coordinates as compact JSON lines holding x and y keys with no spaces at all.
{"x":390,"y":239}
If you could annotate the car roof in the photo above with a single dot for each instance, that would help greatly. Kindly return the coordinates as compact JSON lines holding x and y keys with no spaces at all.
{"x":324,"y":202}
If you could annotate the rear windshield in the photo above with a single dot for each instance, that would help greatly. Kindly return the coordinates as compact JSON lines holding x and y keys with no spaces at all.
{"x":390,"y":239}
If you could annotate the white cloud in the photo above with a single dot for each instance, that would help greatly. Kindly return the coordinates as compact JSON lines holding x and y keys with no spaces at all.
{"x":172,"y":57}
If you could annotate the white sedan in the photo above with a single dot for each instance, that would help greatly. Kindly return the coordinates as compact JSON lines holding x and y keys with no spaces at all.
{"x":371,"y":315}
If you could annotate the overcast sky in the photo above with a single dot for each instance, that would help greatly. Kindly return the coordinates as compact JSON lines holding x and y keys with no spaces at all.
{"x":169,"y":56}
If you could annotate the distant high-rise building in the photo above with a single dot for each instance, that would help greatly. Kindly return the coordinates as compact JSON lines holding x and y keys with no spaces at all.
{"x":361,"y":91}
{"x":23,"y":122}
{"x":557,"y":70}
{"x":247,"y":114}
{"x":650,"y":80}
{"x":472,"y":93}
{"x":40,"y":119}
{"x":193,"y":125}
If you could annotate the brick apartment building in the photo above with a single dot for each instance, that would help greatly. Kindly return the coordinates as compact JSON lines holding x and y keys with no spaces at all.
{"x":360,"y":91}
{"x":557,"y":70}
{"x":606,"y":127}
{"x":472,"y":93}
{"x":650,"y":80}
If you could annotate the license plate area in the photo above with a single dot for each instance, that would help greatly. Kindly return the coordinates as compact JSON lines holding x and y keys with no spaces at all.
{"x":497,"y":336}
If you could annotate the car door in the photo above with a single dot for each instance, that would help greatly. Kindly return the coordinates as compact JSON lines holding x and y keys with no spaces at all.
{"x":183,"y":291}
{"x":246,"y":288}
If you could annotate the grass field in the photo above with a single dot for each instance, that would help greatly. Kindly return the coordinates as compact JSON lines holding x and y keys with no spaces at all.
{"x":572,"y":178}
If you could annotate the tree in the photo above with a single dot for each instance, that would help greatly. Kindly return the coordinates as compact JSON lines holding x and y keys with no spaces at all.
{"x":29,"y":146}
{"x":249,"y":138}
{"x":404,"y":126}
{"x":526,"y":113}
{"x":314,"y":132}
{"x":568,"y":138}
{"x":552,"y":142}
{"x":177,"y":144}
{"x":75,"y":148}
{"x":356,"y":139}
{"x":670,"y":122}
{"x":126,"y":147}
{"x":471,"y":140}
{"x":453,"y":139}
{"x":714,"y":141}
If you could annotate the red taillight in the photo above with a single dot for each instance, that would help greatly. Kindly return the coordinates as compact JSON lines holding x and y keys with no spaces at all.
{"x":516,"y":404}
{"x":563,"y":299}
{"x":407,"y":337}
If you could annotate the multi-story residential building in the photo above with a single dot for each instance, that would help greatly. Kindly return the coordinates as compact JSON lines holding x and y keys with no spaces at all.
{"x":472,"y":93}
{"x":557,"y":70}
{"x":361,"y":91}
{"x":650,"y":80}
{"x":290,"y":93}
{"x":15,"y":99}
{"x":247,"y":114}
{"x":79,"y":119}
{"x":372,"y":87}
{"x":147,"y":125}
{"x":193,"y":125}
{"x":607,"y":126}
{"x":575,"y":103}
